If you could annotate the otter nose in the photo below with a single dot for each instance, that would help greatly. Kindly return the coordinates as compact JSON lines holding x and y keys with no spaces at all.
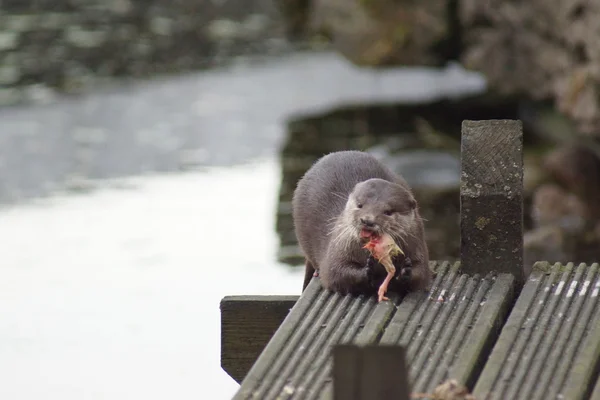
{"x":369,"y":223}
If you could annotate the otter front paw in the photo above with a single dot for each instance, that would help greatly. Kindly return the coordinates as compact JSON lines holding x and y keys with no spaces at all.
{"x":373,"y":277}
{"x":404,"y":274}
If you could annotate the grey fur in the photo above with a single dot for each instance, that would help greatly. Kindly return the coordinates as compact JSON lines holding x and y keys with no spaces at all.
{"x":327,"y":219}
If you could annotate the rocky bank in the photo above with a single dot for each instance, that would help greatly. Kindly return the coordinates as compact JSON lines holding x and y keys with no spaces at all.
{"x":68,"y":45}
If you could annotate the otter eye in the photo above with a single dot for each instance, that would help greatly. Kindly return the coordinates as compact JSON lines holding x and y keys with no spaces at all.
{"x":359,"y":205}
{"x":388,"y":212}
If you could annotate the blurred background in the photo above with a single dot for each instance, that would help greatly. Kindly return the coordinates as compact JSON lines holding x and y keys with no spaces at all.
{"x":149,"y":151}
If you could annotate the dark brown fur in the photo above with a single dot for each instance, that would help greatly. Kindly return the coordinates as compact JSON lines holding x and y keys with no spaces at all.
{"x":325,"y":203}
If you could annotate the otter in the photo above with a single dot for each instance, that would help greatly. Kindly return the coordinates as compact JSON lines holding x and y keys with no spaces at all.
{"x":344,"y":198}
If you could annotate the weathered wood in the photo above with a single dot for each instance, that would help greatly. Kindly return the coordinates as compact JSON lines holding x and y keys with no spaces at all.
{"x":247,"y":325}
{"x":449,"y":332}
{"x":346,"y":372}
{"x":596,"y":393}
{"x":446,"y":333}
{"x":371,"y":372}
{"x":491,"y":197}
{"x":297,"y":362}
{"x":550,"y":346}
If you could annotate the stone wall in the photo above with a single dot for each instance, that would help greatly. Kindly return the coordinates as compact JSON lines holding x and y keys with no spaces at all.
{"x":67,"y":44}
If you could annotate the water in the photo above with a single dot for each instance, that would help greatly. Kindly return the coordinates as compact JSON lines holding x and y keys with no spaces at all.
{"x":214,"y":118}
{"x":115,"y":294}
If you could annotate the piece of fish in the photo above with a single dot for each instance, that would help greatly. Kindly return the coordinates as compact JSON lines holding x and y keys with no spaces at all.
{"x":384,"y":248}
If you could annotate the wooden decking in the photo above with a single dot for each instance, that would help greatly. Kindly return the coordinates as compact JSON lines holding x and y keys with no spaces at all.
{"x":483,"y":323}
{"x":546,"y":346}
{"x":550,"y":346}
{"x":446,"y":332}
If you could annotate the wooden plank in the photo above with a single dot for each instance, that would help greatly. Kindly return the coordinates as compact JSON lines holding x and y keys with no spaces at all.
{"x":363,"y":327}
{"x":449,"y":333}
{"x":270,"y":361}
{"x":371,"y":372}
{"x":491,"y":198}
{"x":247,"y":325}
{"x":482,"y":334}
{"x":298,"y":361}
{"x":549,"y":347}
{"x":346,"y":369}
{"x":596,"y":393}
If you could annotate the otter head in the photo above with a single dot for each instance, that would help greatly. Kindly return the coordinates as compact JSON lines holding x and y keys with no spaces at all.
{"x":377,"y":206}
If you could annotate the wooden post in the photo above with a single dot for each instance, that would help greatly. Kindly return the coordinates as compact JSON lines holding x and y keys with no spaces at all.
{"x":373,"y":372}
{"x":491,"y":198}
{"x":247,"y":325}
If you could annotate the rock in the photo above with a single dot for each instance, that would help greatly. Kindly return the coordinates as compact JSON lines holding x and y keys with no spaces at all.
{"x":224,"y":29}
{"x":255,"y":24}
{"x":8,"y":40}
{"x":53,"y":20}
{"x":162,"y":25}
{"x":577,"y":169}
{"x":563,"y":231}
{"x":296,"y":14}
{"x":80,"y":37}
{"x":20,"y":22}
{"x":533,"y":173}
{"x":542,"y":49}
{"x":551,"y":205}
{"x":120,"y":6}
{"x":547,"y":243}
{"x":9,"y":74}
{"x":39,"y":94}
{"x":554,"y":243}
{"x":452,"y":390}
{"x":382,"y":32}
